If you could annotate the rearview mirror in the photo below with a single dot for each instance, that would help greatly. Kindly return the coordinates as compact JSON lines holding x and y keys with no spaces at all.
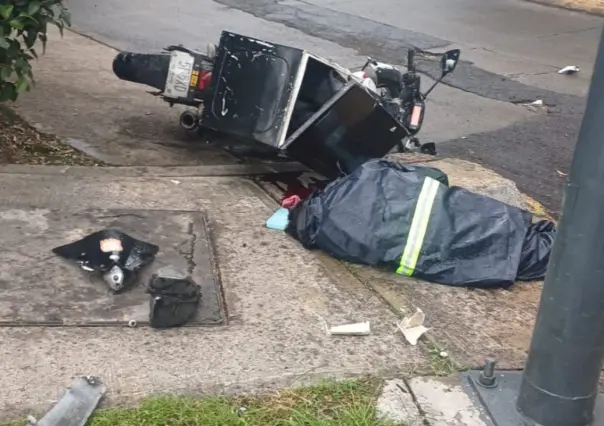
{"x":449,"y":60}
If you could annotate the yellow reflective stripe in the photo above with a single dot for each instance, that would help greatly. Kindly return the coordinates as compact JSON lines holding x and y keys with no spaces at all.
{"x":419,"y":226}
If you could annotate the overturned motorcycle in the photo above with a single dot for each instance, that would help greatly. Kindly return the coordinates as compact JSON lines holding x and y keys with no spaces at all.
{"x":290,"y":101}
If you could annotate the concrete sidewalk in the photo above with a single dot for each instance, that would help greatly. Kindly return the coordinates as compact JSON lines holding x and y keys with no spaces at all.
{"x":278,"y":297}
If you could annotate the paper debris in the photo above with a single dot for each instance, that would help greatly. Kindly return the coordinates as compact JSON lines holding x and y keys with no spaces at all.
{"x":358,"y":329}
{"x":538,"y":102}
{"x":175,"y":182}
{"x":413,"y":327}
{"x":561,"y":174}
{"x":569,"y":69}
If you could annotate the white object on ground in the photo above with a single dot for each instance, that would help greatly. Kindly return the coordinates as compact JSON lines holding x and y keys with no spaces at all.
{"x":538,"y":102}
{"x":358,"y":329}
{"x":413,"y":327}
{"x":569,"y":69}
{"x":175,"y":182}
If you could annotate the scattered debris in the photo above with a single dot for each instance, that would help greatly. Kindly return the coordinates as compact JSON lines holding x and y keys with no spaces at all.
{"x":174,"y":298}
{"x":569,"y":69}
{"x":443,"y":354}
{"x":357,"y":329}
{"x":76,"y":405}
{"x":175,"y":182}
{"x":561,"y":174}
{"x":241,"y":411}
{"x":538,"y":102}
{"x":117,"y":255}
{"x":413,"y":327}
{"x":132,"y":323}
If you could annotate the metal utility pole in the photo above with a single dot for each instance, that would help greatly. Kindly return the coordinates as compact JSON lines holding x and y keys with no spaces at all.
{"x":560,"y":382}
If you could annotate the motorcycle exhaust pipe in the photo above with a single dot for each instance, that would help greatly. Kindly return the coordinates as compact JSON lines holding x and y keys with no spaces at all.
{"x":189,"y":120}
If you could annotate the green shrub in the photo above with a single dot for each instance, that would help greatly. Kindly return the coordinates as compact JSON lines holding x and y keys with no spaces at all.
{"x":22,"y":24}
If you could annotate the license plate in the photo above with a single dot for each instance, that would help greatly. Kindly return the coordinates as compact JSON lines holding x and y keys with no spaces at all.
{"x":179,"y":75}
{"x":416,"y":115}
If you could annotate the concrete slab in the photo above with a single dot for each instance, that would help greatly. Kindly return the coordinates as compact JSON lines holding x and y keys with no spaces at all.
{"x":396,"y":403}
{"x":444,"y":402}
{"x":39,"y":288}
{"x":279,"y":297}
{"x":470,"y":324}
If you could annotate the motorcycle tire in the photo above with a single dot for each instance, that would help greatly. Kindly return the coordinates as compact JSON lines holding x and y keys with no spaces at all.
{"x":143,"y":68}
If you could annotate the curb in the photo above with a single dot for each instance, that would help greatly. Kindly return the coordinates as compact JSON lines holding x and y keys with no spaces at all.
{"x":155,"y":171}
{"x":593,"y":7}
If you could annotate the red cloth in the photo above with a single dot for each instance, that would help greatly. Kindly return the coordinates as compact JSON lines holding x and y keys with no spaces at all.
{"x":290,"y":202}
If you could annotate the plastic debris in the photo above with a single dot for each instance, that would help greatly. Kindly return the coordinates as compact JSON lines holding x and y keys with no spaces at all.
{"x":569,"y":69}
{"x":76,"y":405}
{"x":279,"y":219}
{"x":116,"y":254}
{"x":175,"y":182}
{"x":357,"y":329}
{"x":538,"y":102}
{"x":413,"y":327}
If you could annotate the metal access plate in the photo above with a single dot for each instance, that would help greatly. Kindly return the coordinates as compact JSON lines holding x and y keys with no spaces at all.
{"x":499,"y":402}
{"x":39,"y":288}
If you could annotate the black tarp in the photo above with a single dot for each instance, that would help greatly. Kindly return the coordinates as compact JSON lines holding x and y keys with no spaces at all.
{"x":380,"y":215}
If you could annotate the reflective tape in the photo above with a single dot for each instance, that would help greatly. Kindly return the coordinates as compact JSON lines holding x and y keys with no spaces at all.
{"x":419,"y":225}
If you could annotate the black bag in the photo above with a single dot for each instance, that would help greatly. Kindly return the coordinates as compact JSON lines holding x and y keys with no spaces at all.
{"x":407,"y":220}
{"x":174,"y":301}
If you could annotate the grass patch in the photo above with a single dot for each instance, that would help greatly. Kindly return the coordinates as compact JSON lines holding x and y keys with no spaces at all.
{"x":440,"y":365}
{"x":346,"y":403}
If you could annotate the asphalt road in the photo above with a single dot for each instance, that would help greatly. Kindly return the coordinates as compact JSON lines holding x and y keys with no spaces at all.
{"x":512,"y":50}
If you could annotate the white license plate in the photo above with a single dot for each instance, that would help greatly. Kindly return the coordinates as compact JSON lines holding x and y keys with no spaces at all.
{"x":179,"y":75}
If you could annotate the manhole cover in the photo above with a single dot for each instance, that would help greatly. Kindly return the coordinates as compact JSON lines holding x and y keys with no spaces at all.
{"x":39,"y":288}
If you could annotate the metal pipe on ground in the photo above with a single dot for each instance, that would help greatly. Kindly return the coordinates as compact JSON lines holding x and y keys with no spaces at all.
{"x":560,"y":382}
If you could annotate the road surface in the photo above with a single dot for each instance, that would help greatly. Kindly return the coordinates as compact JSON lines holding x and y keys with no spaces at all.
{"x":512,"y":50}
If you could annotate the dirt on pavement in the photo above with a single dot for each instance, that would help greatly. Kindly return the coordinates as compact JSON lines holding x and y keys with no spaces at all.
{"x":20,"y":143}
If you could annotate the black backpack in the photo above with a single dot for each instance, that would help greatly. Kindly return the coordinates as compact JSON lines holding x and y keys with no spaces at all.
{"x":174,"y":301}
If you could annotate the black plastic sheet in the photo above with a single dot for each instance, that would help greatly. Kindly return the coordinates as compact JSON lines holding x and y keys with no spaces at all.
{"x":371,"y":217}
{"x":536,"y":250}
{"x":111,"y":251}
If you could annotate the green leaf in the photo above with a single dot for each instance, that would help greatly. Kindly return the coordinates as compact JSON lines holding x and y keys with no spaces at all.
{"x":22,"y":85}
{"x":33,"y":8}
{"x":18,"y":25}
{"x":8,"y":92}
{"x":4,"y":44}
{"x":6,"y":10}
{"x":30,"y":38}
{"x":5,"y":73}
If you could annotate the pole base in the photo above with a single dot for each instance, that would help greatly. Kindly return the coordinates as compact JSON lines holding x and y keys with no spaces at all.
{"x":498,"y":403}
